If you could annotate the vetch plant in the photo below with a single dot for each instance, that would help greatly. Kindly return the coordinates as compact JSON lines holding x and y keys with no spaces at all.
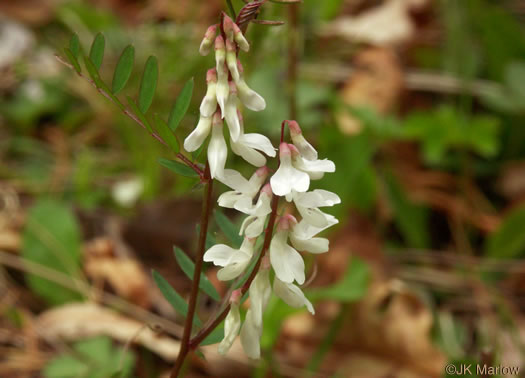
{"x":277,"y":202}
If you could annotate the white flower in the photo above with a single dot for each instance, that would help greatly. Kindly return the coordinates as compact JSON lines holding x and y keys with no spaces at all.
{"x":287,"y":263}
{"x":251,"y":99}
{"x":222,"y":74}
{"x":231,"y":114}
{"x":207,"y":42}
{"x":232,"y":323}
{"x":209,"y":102}
{"x":247,"y":144}
{"x":314,"y":168}
{"x":287,"y":177}
{"x":260,"y":291}
{"x":253,"y":225}
{"x":217,"y":149}
{"x":308,"y":205}
{"x":241,"y":197}
{"x":198,"y":135}
{"x":292,"y":295}
{"x":305,"y":148}
{"x":233,"y":261}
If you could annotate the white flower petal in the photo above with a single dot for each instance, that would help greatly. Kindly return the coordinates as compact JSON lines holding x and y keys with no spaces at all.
{"x":260,"y":292}
{"x":313,"y":245}
{"x":229,"y":199}
{"x":217,"y":151}
{"x":199,"y":134}
{"x":316,"y":198}
{"x":220,"y":255}
{"x":250,"y":337}
{"x":234,"y":180}
{"x":292,"y":295}
{"x":307,"y":231}
{"x":232,"y":324}
{"x":209,"y":102}
{"x":259,"y":142}
{"x":287,"y":178}
{"x":232,"y":118}
{"x":314,"y":216}
{"x":323,"y":165}
{"x":251,"y":99}
{"x":287,"y":263}
{"x":249,"y":154}
{"x":233,"y":270}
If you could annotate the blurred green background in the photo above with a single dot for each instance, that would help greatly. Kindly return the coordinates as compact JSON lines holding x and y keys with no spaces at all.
{"x":420,"y":104}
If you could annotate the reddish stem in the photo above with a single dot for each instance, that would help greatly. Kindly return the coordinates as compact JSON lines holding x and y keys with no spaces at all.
{"x":205,"y":217}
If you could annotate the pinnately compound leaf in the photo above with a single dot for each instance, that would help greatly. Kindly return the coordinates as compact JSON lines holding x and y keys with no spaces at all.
{"x":188,"y":267}
{"x":178,"y":168}
{"x":96,"y":54}
{"x":229,"y":229}
{"x":74,"y":45}
{"x":123,"y":69}
{"x":176,"y":301}
{"x":181,"y":105}
{"x":73,"y":60}
{"x":166,"y":134}
{"x":148,"y":84}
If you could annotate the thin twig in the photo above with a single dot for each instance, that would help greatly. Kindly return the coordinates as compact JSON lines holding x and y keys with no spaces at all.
{"x":205,"y":217}
{"x":293,"y":37}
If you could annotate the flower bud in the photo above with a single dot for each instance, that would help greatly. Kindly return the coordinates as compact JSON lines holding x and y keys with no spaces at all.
{"x":207,"y":42}
{"x":231,"y":60}
{"x":300,"y":142}
{"x":227,"y":26}
{"x":240,"y":39}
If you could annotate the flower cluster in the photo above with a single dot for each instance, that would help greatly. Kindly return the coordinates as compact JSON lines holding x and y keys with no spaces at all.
{"x":298,"y":166}
{"x":226,"y":89}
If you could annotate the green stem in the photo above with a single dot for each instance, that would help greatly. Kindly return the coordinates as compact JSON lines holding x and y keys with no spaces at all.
{"x":205,"y":217}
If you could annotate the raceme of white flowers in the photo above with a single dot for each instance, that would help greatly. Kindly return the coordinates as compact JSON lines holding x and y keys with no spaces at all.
{"x":299,"y":165}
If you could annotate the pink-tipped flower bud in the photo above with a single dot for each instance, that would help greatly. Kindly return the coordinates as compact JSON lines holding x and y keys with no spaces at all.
{"x":236,"y":296}
{"x":217,"y":118}
{"x":267,"y":190}
{"x":219,"y":44}
{"x":294,"y":127}
{"x":211,"y":76}
{"x":233,"y":88}
{"x":207,"y":41}
{"x":240,"y":39}
{"x":286,"y":222}
{"x":265,"y":263}
{"x":294,"y":150}
{"x":284,"y":150}
{"x":263,"y":171}
{"x":228,"y":27}
{"x":301,"y":144}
